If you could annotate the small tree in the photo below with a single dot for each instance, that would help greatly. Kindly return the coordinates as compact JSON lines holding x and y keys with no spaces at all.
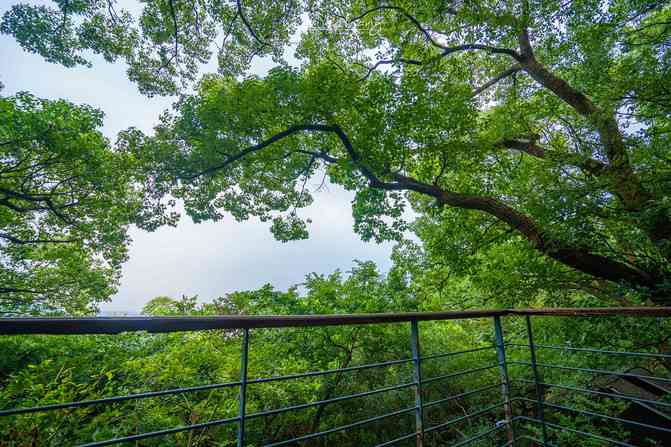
{"x":66,"y":200}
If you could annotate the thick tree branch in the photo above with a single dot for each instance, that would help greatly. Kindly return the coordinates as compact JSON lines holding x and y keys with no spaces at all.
{"x":389,"y":62}
{"x":509,"y":72}
{"x":241,"y":13}
{"x":576,"y":99}
{"x":578,"y":258}
{"x":530,"y":147}
{"x":627,"y":186}
{"x":620,"y":175}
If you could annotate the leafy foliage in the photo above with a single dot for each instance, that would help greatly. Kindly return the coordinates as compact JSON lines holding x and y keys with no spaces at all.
{"x":66,"y":200}
{"x":539,"y":128}
{"x":165,"y":45}
{"x":103,"y":366}
{"x":43,"y":370}
{"x":491,"y":120}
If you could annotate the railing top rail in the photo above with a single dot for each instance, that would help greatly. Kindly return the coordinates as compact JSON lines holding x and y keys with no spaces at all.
{"x":115,"y":325}
{"x":656,"y":311}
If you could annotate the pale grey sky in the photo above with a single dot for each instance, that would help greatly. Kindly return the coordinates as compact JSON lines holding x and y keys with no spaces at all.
{"x":208,"y":259}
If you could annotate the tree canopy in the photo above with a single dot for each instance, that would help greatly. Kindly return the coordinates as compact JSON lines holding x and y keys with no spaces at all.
{"x":67,"y":198}
{"x":44,"y":370}
{"x":66,"y":201}
{"x":530,"y":137}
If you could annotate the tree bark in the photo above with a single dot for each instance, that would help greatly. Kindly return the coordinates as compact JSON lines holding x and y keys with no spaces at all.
{"x":621,"y":178}
{"x":576,"y":257}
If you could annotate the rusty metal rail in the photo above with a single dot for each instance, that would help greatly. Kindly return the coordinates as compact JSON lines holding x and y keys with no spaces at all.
{"x":116,"y":325}
{"x":506,"y":429}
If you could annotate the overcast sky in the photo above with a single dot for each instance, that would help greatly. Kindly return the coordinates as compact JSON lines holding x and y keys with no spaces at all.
{"x":207,"y":259}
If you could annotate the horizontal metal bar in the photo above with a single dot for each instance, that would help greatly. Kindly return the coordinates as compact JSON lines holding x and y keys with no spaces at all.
{"x":576,"y":431}
{"x":477,"y":436}
{"x":600,"y":393}
{"x":594,"y":312}
{"x":448,"y":354}
{"x":168,"y":431}
{"x":594,"y":371}
{"x":108,"y":400}
{"x":115,"y":325}
{"x":463,"y":418}
{"x":328,"y":371}
{"x":328,"y":401}
{"x":341,"y":428}
{"x":458,"y":396}
{"x":596,"y":351}
{"x":397,"y":440}
{"x":599,"y":415}
{"x":459,"y":373}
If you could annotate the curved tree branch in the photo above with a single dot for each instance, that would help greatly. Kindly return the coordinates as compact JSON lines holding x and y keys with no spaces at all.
{"x":622,"y":179}
{"x":265,"y":143}
{"x":480,"y":47}
{"x":407,"y":15}
{"x":241,"y":13}
{"x":46,"y":199}
{"x":509,"y":72}
{"x":578,"y":258}
{"x":389,"y":62}
{"x":229,"y":29}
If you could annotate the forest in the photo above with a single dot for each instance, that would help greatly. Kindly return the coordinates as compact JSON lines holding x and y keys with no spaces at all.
{"x":516,"y":153}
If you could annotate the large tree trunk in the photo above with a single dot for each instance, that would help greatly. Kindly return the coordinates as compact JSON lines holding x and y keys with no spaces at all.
{"x":618,"y":173}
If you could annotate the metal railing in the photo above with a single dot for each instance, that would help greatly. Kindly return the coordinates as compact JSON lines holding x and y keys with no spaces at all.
{"x":531,"y":413}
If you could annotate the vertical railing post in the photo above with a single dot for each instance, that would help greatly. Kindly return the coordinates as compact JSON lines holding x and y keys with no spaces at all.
{"x":505,"y":382}
{"x":416,"y":361}
{"x":537,"y":381}
{"x":243,"y":387}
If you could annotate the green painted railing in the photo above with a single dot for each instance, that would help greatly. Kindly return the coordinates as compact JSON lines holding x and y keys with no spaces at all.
{"x":511,"y":430}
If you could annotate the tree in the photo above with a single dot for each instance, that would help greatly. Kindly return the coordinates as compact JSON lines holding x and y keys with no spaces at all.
{"x":42,"y":370}
{"x":164,"y":305}
{"x":165,"y":45}
{"x":66,"y":201}
{"x":541,"y":125}
{"x":46,"y":370}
